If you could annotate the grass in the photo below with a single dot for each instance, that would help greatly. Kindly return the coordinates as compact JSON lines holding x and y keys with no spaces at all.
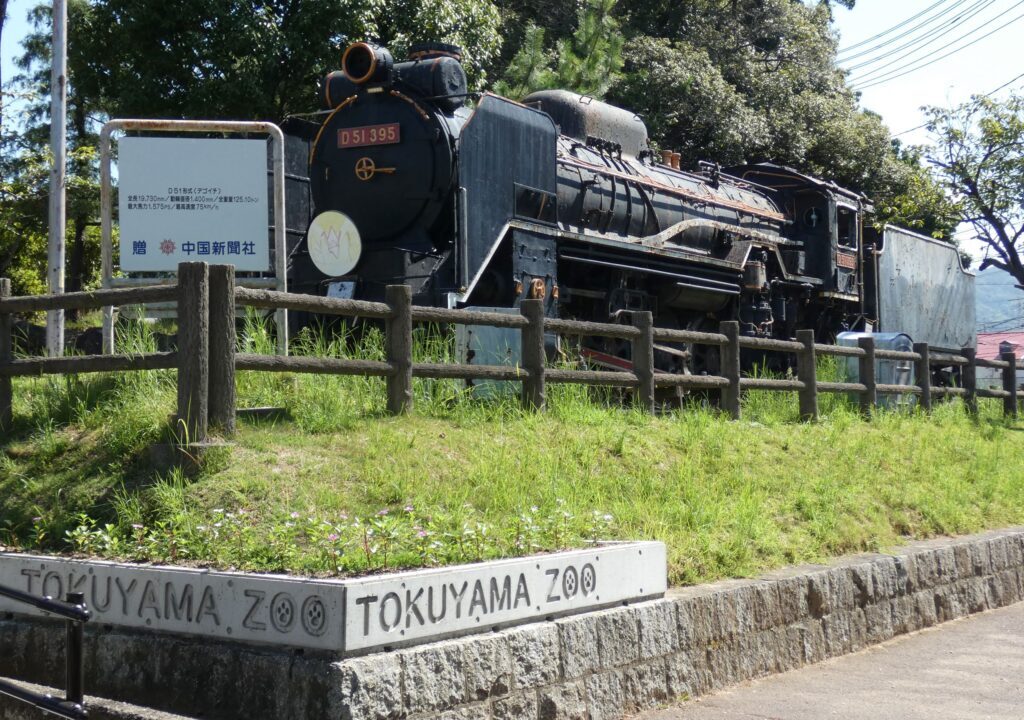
{"x":341,"y":488}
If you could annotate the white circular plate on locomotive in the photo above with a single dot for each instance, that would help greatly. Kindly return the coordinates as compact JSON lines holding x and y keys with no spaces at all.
{"x":334,"y":243}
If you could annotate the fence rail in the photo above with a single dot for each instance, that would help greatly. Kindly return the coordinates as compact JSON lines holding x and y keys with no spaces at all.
{"x":75,"y":614}
{"x":206,"y":358}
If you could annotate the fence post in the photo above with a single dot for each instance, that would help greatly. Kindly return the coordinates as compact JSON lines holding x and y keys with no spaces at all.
{"x":398,"y":330}
{"x":923,"y":371}
{"x":534,"y":384}
{"x":730,"y":368}
{"x":807,"y":373}
{"x":866,"y":371}
{"x":970,"y":378}
{"x":6,"y":354}
{"x":222,"y":348}
{"x":193,"y":350}
{"x":1010,"y":384}
{"x":643,"y":360}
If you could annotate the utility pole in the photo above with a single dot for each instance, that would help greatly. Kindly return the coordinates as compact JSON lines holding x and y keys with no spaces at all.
{"x":58,"y":101}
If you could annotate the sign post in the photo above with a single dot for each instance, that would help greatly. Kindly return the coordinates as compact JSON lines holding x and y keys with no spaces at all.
{"x":193,"y":199}
{"x":58,"y":146}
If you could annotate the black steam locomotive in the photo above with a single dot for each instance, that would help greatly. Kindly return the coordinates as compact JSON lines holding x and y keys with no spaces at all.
{"x":559,"y":197}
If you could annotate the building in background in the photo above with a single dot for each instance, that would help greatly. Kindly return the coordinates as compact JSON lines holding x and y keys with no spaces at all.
{"x":990,"y":347}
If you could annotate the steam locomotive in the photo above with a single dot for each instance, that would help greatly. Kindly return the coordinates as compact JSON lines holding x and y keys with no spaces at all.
{"x":560,"y":197}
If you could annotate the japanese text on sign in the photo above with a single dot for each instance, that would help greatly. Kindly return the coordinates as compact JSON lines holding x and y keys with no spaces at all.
{"x":193,"y":199}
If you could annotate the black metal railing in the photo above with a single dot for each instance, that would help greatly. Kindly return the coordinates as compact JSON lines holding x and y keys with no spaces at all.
{"x":76,"y":614}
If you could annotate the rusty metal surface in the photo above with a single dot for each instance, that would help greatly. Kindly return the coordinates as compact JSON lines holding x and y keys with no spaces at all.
{"x":924,"y":292}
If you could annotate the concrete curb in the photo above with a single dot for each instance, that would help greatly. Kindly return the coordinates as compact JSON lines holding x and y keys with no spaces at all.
{"x":597,"y":666}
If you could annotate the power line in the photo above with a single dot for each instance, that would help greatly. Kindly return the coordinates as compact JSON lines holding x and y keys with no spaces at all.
{"x":905,"y":33}
{"x":991,"y":92}
{"x":919,"y":43}
{"x":892,"y":29}
{"x":896,"y":74}
{"x":880,"y":72}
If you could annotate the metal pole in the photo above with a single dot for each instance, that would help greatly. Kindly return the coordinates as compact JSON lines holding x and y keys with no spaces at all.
{"x":75,"y":678}
{"x":58,"y":97}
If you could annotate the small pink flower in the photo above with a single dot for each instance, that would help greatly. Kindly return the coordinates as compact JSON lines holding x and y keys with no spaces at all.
{"x":421,"y":534}
{"x":409,"y":508}
{"x":333,"y":537}
{"x":382,"y":513}
{"x":294,"y":516}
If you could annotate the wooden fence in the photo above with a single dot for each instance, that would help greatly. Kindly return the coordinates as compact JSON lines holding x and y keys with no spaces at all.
{"x":206,"y":358}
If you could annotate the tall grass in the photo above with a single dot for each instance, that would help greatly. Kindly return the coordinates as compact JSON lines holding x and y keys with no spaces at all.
{"x":729,"y":498}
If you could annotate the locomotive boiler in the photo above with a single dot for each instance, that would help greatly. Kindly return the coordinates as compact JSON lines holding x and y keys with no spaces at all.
{"x":560,"y":197}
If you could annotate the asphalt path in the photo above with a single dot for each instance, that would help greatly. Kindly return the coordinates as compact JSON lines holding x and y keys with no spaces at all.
{"x":968,"y":669}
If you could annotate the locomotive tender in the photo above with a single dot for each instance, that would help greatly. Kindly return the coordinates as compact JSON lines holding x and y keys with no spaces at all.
{"x":559,"y":197}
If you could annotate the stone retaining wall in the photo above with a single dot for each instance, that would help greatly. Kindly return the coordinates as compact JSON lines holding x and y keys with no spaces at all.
{"x":590,"y":667}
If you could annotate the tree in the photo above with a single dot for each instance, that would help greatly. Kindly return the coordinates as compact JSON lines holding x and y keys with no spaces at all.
{"x":254,"y":60}
{"x":979,"y":155}
{"x":587,"y":62}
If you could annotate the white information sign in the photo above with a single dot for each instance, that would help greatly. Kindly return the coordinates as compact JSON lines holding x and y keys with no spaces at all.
{"x":193,"y":199}
{"x":345,"y":616}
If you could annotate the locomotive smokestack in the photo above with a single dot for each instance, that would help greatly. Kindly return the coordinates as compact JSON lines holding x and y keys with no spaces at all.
{"x":677,"y":160}
{"x":666,"y":157}
{"x":363,"y":63}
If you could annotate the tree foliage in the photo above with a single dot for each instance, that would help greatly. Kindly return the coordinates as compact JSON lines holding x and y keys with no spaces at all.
{"x":979,"y":155}
{"x":588,"y":61}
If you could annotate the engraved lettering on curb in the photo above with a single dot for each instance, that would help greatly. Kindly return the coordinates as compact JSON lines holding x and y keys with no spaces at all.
{"x":570,"y":582}
{"x":76,"y":584}
{"x":282,"y":612}
{"x":207,"y":606}
{"x":588,"y":579}
{"x":29,"y":574}
{"x":478,"y":598}
{"x":366,"y":601}
{"x":250,"y":622}
{"x":177,"y":607}
{"x":434,"y":619}
{"x":553,"y":572}
{"x":501,"y":600}
{"x":125,"y":592}
{"x":522,"y":591}
{"x":52,"y":575}
{"x":457,"y":597}
{"x":388,"y":627}
{"x":148,"y":601}
{"x":411,"y":607}
{"x":314,"y":616}
{"x":96,"y":604}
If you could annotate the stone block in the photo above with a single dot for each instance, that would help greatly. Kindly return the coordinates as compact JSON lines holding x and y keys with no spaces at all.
{"x":841,"y":589}
{"x":682,"y":679}
{"x":819,"y":595}
{"x":657,"y":629}
{"x":1015,"y":550}
{"x":906,"y":575}
{"x":836,"y":628}
{"x":981,"y":559}
{"x":435,"y":677}
{"x":721,"y":664}
{"x":998,"y":553}
{"x":862,"y":577}
{"x":488,"y":665}
{"x":766,"y":606}
{"x":886,"y":582}
{"x":369,"y":688}
{"x":793,"y":598}
{"x":517,"y":706}
{"x":879,"y":622}
{"x":926,"y":575}
{"x":579,"y":646}
{"x":474,"y":712}
{"x":945,"y":564}
{"x":536,"y":658}
{"x":618,"y":637}
{"x":925,"y":607}
{"x":604,"y":695}
{"x":644,"y":685}
{"x":562,"y":702}
{"x":903,"y":611}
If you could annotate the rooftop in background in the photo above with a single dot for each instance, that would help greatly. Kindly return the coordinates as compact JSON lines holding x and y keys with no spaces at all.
{"x":989,"y":343}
